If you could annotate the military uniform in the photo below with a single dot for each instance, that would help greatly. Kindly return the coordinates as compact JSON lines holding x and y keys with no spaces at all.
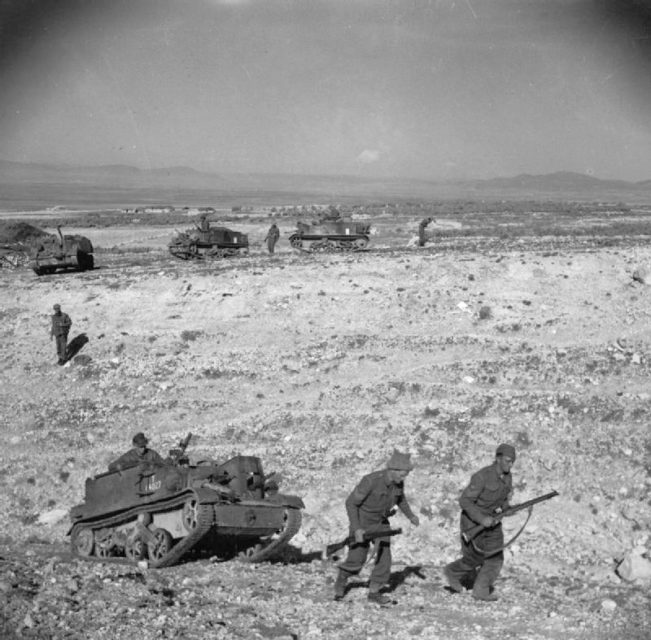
{"x":272,"y":237}
{"x":421,"y":231}
{"x":482,"y":558}
{"x":369,"y":506}
{"x":60,"y":328}
{"x":133,"y":458}
{"x":138,"y":455}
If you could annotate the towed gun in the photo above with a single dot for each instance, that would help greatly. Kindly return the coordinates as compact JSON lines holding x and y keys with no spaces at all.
{"x":469,"y":534}
{"x":369,"y":536}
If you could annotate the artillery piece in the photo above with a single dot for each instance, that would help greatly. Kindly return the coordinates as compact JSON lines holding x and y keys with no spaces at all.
{"x":208,"y":242}
{"x":50,"y":253}
{"x":161,"y":513}
{"x":330,"y":236}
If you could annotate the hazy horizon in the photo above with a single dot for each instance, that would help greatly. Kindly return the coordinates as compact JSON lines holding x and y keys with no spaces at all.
{"x":419,"y":89}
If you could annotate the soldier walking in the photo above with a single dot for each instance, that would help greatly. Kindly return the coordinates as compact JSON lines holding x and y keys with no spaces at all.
{"x":60,"y":328}
{"x":487,"y":495}
{"x":421,"y":231}
{"x":369,"y":505}
{"x":272,"y":237}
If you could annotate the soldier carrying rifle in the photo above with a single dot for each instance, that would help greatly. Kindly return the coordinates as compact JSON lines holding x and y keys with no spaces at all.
{"x":488,"y":493}
{"x":484,"y":502}
{"x":369,"y":507}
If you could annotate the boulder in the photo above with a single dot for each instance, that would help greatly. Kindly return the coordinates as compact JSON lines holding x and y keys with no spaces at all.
{"x":52,"y":517}
{"x":641,"y":275}
{"x":635,"y":567}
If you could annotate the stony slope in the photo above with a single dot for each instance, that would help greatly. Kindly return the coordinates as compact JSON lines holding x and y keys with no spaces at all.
{"x":321,"y":365}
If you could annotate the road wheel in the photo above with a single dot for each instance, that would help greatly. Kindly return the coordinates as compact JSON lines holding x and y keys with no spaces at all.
{"x":160,"y":545}
{"x":82,"y":541}
{"x":191,"y":515}
{"x":135,"y":548}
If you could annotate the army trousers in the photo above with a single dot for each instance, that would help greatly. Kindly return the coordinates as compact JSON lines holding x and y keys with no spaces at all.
{"x":477,"y":566}
{"x":356,"y":559}
{"x":62,"y":345}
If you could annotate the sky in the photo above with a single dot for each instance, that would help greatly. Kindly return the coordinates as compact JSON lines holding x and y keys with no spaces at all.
{"x":432,"y":89}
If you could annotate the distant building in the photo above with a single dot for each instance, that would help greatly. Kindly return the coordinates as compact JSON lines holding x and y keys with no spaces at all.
{"x":195,"y":211}
{"x":159,"y":208}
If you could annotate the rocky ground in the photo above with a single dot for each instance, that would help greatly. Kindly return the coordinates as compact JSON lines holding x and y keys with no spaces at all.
{"x":321,"y":365}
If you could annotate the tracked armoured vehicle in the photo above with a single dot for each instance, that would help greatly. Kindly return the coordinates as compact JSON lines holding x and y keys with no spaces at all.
{"x":330,"y":236}
{"x":212,"y":242}
{"x":50,"y":253}
{"x":163,"y":513}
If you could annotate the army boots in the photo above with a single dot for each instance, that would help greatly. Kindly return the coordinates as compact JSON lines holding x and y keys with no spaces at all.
{"x":340,"y":586}
{"x":453,"y":580}
{"x":378,"y":598}
{"x":486,"y":597}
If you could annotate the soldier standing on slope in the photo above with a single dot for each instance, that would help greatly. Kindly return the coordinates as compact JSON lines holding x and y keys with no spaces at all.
{"x":369,"y":505}
{"x":272,"y":237}
{"x":422,"y":238}
{"x":60,"y":328}
{"x":488,"y":494}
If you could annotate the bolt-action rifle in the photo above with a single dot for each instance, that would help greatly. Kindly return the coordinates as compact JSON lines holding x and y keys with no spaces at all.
{"x":369,"y":536}
{"x":473,"y":532}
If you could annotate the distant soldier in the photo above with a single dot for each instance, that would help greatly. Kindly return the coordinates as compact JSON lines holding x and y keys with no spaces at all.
{"x":482,"y":558}
{"x":272,"y":237}
{"x":60,"y":328}
{"x":421,"y":231}
{"x":139,"y":454}
{"x":370,"y":504}
{"x":204,"y":226}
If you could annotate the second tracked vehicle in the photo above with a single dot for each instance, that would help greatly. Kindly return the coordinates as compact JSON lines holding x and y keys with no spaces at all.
{"x":330,"y":236}
{"x":162,"y":513}
{"x":210,"y":242}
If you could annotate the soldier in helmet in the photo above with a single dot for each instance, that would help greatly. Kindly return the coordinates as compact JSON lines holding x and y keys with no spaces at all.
{"x":139,"y":454}
{"x":60,"y":328}
{"x":370,"y":504}
{"x":488,"y":494}
{"x":272,"y":237}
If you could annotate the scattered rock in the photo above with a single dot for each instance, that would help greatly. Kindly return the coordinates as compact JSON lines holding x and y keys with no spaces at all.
{"x":635,"y":567}
{"x":52,"y":517}
{"x":608,"y":605}
{"x":641,"y":275}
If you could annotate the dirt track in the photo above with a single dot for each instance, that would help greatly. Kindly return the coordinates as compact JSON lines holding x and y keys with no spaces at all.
{"x":321,"y":365}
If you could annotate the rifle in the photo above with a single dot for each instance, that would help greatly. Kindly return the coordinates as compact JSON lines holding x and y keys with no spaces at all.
{"x":469,"y":534}
{"x":177,"y":454}
{"x":372,"y":534}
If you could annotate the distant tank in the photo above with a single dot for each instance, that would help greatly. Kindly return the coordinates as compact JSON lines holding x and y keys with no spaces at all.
{"x":50,"y":253}
{"x":330,"y":236}
{"x":208,"y":242}
{"x":162,"y":513}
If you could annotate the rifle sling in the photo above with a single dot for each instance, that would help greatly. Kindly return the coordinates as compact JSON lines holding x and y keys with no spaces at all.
{"x":488,"y":554}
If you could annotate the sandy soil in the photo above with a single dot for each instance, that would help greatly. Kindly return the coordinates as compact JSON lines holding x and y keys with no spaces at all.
{"x":321,"y":365}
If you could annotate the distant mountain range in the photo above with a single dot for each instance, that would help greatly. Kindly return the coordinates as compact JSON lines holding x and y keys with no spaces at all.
{"x":125,"y":180}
